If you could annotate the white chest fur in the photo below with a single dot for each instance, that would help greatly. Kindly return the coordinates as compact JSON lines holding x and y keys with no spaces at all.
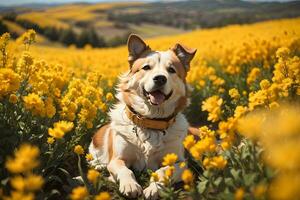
{"x":145,"y":148}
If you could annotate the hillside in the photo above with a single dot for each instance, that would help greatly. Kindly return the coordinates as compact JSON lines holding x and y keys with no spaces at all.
{"x":109,"y":24}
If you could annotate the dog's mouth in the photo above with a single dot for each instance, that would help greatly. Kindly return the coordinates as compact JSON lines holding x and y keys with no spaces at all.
{"x":156,"y":97}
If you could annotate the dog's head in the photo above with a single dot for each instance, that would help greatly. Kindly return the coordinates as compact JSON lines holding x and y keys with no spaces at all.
{"x":155,"y":85}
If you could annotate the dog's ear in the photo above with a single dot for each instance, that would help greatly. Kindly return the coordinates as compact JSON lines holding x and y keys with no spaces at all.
{"x":184,"y":54}
{"x":136,"y":46}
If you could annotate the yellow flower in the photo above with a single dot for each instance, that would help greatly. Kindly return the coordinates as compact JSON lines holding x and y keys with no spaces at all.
{"x":27,"y":37}
{"x":206,"y":132}
{"x":189,"y":141}
{"x":34,"y":182}
{"x":217,"y":162}
{"x":253,"y":75}
{"x":65,"y":126}
{"x":169,"y":172}
{"x":13,"y":98}
{"x":154,"y":176}
{"x":264,"y":84}
{"x":169,"y":159}
{"x":274,"y":105}
{"x":239,"y":194}
{"x":259,"y":191}
{"x":240,"y":111}
{"x":18,"y":183}
{"x":79,"y":193}
{"x":282,"y":52}
{"x":93,"y":175}
{"x":213,"y":106}
{"x":109,"y":96}
{"x":50,"y":140}
{"x":78,"y":150}
{"x":89,"y":157}
{"x":9,"y":81}
{"x":56,"y":133}
{"x":182,"y":165}
{"x":49,"y":108}
{"x":25,"y":159}
{"x":103,"y":107}
{"x":187,"y":176}
{"x":20,"y":195}
{"x":35,"y":104}
{"x":234,"y":93}
{"x":60,"y":129}
{"x":187,"y":187}
{"x":103,"y":196}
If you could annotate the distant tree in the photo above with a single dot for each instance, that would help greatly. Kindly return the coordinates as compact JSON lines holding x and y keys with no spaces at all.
{"x":68,"y":37}
{"x":118,"y":40}
{"x":91,"y":37}
{"x":30,"y":25}
{"x":3,"y":28}
{"x":11,"y":16}
{"x":52,"y":33}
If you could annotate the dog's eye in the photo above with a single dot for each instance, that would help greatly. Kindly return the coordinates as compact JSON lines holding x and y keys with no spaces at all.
{"x":146,"y":67}
{"x":171,"y":70}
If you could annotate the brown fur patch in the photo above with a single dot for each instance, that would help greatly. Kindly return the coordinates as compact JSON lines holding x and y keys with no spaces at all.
{"x":110,"y":144}
{"x":98,"y":138}
{"x":180,"y":69}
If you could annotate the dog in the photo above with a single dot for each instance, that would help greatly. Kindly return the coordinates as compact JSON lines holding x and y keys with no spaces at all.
{"x":146,"y":123}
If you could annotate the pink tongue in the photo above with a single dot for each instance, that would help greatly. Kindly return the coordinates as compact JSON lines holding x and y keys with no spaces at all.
{"x":157,"y":97}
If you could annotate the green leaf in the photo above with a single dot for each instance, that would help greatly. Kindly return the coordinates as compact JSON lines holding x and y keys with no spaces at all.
{"x":235,"y":173}
{"x":229,"y":182}
{"x":202,"y":186}
{"x":218,"y":181}
{"x":249,"y":179}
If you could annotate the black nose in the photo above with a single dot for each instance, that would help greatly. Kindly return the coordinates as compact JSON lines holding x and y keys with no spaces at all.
{"x":160,"y":80}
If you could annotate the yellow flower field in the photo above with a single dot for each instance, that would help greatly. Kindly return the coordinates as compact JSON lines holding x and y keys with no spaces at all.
{"x":246,"y":103}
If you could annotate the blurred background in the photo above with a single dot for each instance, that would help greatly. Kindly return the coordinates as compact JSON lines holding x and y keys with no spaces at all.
{"x":108,"y":23}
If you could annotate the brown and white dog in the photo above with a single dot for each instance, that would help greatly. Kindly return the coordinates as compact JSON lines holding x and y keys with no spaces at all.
{"x":147,"y":122}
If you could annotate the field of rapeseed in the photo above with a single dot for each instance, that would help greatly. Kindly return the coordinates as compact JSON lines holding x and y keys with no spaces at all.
{"x":246,"y":103}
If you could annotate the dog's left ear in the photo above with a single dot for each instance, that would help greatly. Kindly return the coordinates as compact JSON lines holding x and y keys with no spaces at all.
{"x":136,"y":46}
{"x":184,"y":54}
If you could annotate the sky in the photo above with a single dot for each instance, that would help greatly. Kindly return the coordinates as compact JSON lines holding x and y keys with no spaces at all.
{"x":20,"y":2}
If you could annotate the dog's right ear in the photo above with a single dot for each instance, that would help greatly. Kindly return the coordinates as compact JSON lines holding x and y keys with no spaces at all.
{"x":136,"y":46}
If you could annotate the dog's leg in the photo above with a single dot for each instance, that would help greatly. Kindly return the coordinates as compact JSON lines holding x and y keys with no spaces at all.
{"x":127,"y":181}
{"x":151,"y":192}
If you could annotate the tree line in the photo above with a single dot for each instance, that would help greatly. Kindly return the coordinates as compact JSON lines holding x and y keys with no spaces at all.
{"x":66,"y":36}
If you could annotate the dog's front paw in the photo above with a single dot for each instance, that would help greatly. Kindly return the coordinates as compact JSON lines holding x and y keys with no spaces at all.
{"x":151,"y":192}
{"x":130,"y":189}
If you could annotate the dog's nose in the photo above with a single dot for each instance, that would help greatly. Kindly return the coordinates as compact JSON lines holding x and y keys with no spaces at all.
{"x":160,"y":80}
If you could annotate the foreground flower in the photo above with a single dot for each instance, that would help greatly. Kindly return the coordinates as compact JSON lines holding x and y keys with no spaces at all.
{"x":169,"y":159}
{"x":217,"y":162}
{"x":79,"y":193}
{"x":9,"y":81}
{"x":60,"y":129}
{"x":103,"y":196}
{"x":89,"y":157}
{"x":35,"y":104}
{"x":188,"y":178}
{"x":239,"y":194}
{"x":213,"y":106}
{"x":30,"y":183}
{"x":78,"y":150}
{"x":154,"y":176}
{"x":25,"y":159}
{"x":93,"y":175}
{"x":234,"y":94}
{"x":189,"y":141}
{"x":50,"y":140}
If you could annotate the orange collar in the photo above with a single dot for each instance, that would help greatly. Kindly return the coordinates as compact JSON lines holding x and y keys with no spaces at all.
{"x":157,"y":124}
